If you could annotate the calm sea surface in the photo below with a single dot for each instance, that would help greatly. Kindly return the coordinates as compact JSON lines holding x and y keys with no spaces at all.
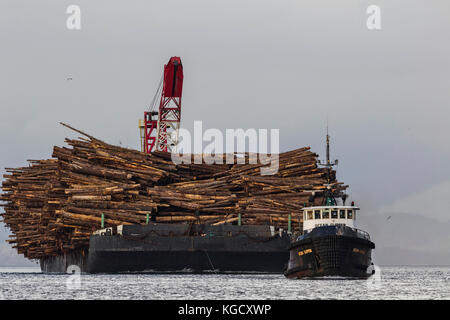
{"x":390,"y":283}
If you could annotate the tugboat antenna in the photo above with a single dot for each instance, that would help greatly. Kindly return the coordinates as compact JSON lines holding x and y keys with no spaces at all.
{"x":328,"y":164}
{"x":328,"y":196}
{"x":328,"y":145}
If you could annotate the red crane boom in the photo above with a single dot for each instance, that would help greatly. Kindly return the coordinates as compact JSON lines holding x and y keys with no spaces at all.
{"x":159,"y":130}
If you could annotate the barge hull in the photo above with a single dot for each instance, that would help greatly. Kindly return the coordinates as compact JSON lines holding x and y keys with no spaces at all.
{"x":187,"y":254}
{"x":64,"y":263}
{"x":159,"y":248}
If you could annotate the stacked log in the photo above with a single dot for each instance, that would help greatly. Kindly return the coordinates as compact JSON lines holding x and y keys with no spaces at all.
{"x":52,"y":206}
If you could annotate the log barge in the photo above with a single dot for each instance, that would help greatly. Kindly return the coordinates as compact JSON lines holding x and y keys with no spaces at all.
{"x":55,"y":208}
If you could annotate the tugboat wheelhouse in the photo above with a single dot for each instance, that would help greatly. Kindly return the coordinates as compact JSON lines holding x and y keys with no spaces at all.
{"x":328,"y":216}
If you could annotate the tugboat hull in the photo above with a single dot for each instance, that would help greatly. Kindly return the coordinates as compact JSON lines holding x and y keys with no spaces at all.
{"x":338,"y":252}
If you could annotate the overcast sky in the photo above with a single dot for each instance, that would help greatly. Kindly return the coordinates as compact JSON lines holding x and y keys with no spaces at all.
{"x":285,"y":64}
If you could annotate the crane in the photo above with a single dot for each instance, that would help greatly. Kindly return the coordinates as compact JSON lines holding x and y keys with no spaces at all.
{"x":159,"y":129}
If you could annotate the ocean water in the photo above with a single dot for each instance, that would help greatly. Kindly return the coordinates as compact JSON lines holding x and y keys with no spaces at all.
{"x":388,"y":283}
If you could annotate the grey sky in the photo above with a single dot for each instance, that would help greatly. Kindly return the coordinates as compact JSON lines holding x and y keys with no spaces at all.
{"x":247,"y":64}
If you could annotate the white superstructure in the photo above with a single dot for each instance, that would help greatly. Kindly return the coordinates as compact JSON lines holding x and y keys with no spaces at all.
{"x":328,"y":216}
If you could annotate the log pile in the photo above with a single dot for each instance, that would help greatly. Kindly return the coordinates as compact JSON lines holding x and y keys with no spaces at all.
{"x":52,"y":206}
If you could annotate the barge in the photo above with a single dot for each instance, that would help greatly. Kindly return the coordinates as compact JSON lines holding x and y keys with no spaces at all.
{"x":179,"y":248}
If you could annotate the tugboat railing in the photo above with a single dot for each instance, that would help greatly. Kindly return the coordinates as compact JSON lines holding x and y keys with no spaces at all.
{"x":361,"y":233}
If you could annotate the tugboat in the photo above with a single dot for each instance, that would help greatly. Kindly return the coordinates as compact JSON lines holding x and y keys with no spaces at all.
{"x":330,"y":244}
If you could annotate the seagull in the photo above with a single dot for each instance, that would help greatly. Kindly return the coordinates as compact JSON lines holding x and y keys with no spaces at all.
{"x":70,"y":78}
{"x":388,"y":218}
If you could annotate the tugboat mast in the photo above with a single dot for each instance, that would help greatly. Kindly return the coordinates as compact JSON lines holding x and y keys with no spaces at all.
{"x":328,"y":199}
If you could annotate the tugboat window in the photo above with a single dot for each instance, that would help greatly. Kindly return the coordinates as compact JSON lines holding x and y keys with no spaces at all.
{"x":326,"y":214}
{"x":342,"y":214}
{"x":310,"y":215}
{"x":349,"y":214}
{"x":317,"y":214}
{"x":334,"y":214}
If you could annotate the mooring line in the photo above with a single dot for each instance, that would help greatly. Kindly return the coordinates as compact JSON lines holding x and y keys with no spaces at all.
{"x":210,"y":262}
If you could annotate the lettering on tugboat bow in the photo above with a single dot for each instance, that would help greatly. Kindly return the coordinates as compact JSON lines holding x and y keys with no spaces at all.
{"x":300,"y":253}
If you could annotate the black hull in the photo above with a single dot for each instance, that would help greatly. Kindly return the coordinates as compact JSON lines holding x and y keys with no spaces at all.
{"x":334,"y":255}
{"x":188,"y":254}
{"x":150,"y":249}
{"x":61,"y":263}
